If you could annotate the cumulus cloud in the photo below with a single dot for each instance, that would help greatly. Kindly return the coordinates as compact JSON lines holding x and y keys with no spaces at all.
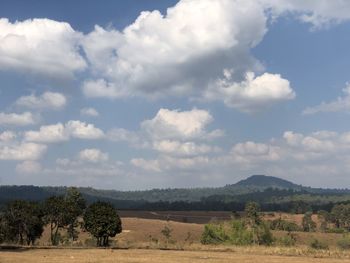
{"x":15,"y":119}
{"x":161,"y":55}
{"x":182,"y":125}
{"x":182,"y":148}
{"x":28,"y":167}
{"x":253,"y":93}
{"x":93,"y":155}
{"x":321,"y":154}
{"x":319,"y":14}
{"x":62,"y":132}
{"x":7,"y":136}
{"x":83,"y":130}
{"x":41,"y":46}
{"x":46,"y":101}
{"x":90,"y":112}
{"x":341,"y":104}
{"x":22,"y":151}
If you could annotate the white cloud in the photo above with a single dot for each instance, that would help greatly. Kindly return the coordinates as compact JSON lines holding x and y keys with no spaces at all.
{"x":83,"y":130}
{"x":7,"y":136}
{"x":48,"y":134}
{"x":28,"y":167}
{"x":320,"y":14}
{"x":174,"y":54}
{"x":100,"y":88}
{"x":46,"y":101}
{"x":93,"y":155}
{"x":23,"y":151}
{"x":41,"y":46}
{"x":324,"y":155}
{"x":14,"y":119}
{"x":342,"y":104}
{"x":182,"y":148}
{"x":59,"y":132}
{"x":252,"y":94}
{"x":91,"y":112}
{"x":175,"y":124}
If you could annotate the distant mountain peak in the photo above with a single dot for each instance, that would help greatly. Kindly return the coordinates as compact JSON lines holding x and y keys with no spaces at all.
{"x":264,"y":181}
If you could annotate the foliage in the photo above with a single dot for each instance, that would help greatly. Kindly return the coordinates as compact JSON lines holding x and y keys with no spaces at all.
{"x":263,"y":234}
{"x":166,"y":232}
{"x":56,"y":216}
{"x":283,"y":225}
{"x":102,"y":221}
{"x":21,"y":222}
{"x":307,"y":223}
{"x":75,"y":205}
{"x":239,"y":234}
{"x":340,"y":216}
{"x":214,"y":233}
{"x":288,"y":240}
{"x":325,"y":218}
{"x":317,"y":244}
{"x":252,"y":210}
{"x":344,"y":242}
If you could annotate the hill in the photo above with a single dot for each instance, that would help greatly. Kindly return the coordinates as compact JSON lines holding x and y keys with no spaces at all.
{"x":263,"y":181}
{"x":266,"y":190}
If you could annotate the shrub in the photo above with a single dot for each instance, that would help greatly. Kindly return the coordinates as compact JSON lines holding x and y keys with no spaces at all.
{"x":336,"y":230}
{"x":344,"y":242}
{"x":317,"y":244}
{"x":284,"y":225}
{"x":288,"y":241}
{"x":264,"y":235}
{"x":239,"y":234}
{"x":213,"y":234}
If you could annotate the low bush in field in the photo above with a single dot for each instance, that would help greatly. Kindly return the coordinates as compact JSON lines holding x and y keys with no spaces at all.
{"x":214,"y":233}
{"x":287,"y":241}
{"x":284,"y":225}
{"x":317,"y":244}
{"x":237,"y":233}
{"x":336,"y":230}
{"x":344,"y":242}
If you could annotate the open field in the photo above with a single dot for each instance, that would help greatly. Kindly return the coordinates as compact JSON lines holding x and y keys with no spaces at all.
{"x":154,"y":256}
{"x":140,"y":232}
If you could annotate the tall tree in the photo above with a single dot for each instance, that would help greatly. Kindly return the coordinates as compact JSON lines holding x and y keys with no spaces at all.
{"x":102,"y":221}
{"x":308,"y":224}
{"x":56,"y":216}
{"x":75,"y":205}
{"x":24,"y":221}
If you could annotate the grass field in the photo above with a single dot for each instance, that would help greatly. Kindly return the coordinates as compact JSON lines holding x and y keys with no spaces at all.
{"x":145,"y":243}
{"x":154,"y":256}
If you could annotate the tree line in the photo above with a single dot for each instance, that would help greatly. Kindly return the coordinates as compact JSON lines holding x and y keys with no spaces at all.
{"x":23,"y":222}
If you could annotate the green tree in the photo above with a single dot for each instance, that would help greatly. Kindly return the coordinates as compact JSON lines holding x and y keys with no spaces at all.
{"x":307,"y":223}
{"x":340,"y":216}
{"x":252,"y":210}
{"x":56,"y":216}
{"x":102,"y":221}
{"x":23,"y":222}
{"x":75,"y":205}
{"x":325,"y":218}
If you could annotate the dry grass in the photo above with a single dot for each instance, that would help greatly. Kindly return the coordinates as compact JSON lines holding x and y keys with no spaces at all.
{"x":154,"y":256}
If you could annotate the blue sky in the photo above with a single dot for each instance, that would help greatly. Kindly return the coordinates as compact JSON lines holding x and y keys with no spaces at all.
{"x":145,"y":94}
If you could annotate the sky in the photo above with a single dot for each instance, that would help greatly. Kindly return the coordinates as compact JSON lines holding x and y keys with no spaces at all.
{"x":154,"y":94}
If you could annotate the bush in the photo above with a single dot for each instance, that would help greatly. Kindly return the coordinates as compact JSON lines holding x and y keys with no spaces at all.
{"x":239,"y":234}
{"x":336,"y":230}
{"x":264,"y":235}
{"x":344,"y":242}
{"x":213,"y":234}
{"x":317,"y":244}
{"x":287,"y":241}
{"x":283,"y":225}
